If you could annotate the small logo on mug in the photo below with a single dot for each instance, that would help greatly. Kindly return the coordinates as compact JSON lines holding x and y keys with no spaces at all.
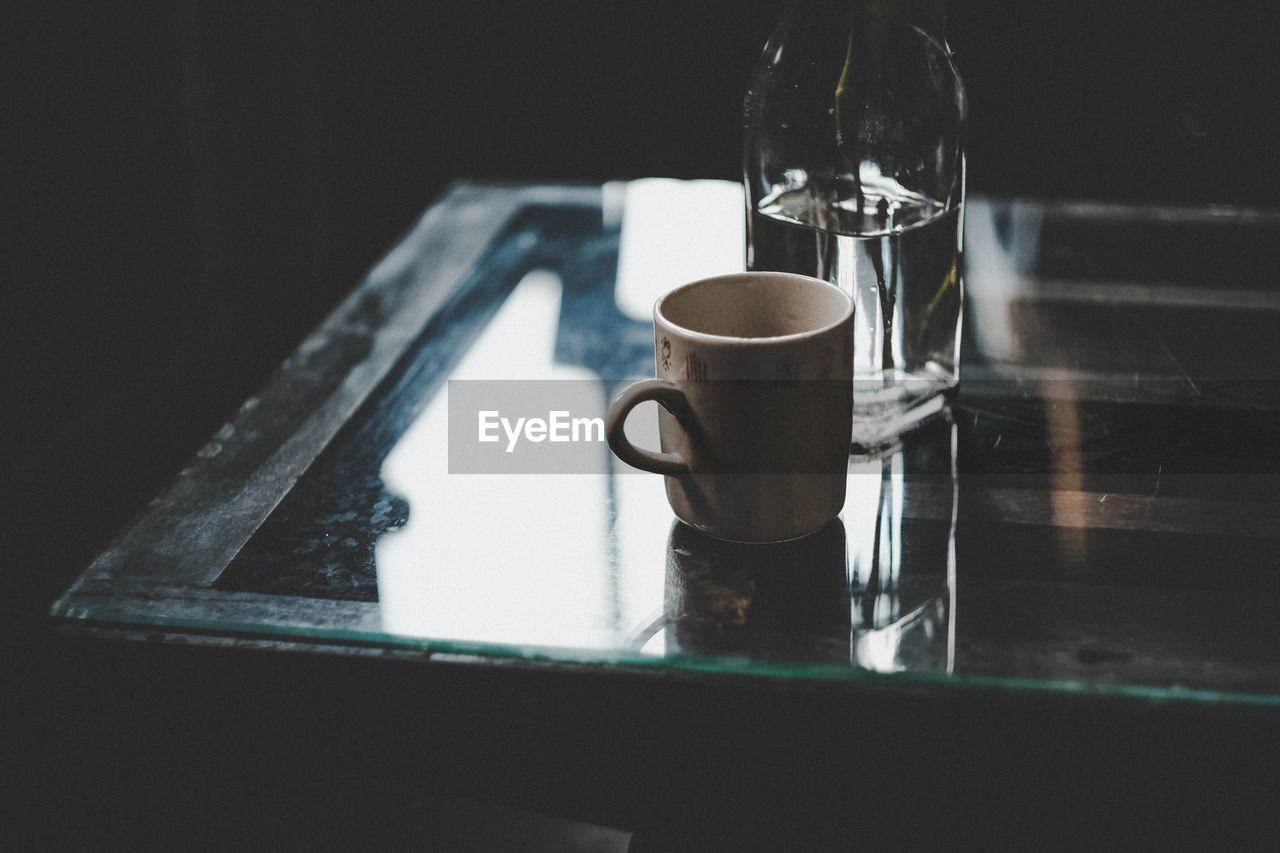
{"x":665,"y":353}
{"x":694,"y":369}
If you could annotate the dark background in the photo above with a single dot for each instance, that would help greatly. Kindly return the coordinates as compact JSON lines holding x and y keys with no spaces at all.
{"x":188,"y":187}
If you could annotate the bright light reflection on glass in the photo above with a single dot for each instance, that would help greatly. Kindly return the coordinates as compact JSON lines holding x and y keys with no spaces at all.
{"x":674,"y":232}
{"x":522,"y":560}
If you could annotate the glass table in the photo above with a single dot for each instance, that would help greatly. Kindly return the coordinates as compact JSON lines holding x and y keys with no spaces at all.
{"x":1048,"y":613}
{"x":1096,"y":514}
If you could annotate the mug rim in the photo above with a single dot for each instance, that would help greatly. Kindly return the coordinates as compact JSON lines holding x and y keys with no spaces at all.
{"x":707,"y":337}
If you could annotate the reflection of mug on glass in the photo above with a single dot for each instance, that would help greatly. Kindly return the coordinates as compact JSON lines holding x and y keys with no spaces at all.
{"x":755,"y":384}
{"x":784,"y":601}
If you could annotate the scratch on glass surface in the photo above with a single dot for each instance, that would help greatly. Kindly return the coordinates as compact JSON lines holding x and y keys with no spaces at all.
{"x":1181,"y":370}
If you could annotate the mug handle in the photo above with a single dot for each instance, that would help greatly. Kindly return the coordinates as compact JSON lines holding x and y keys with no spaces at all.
{"x":668,"y":395}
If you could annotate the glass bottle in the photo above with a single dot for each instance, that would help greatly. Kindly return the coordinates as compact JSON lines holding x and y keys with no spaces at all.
{"x":854,"y":171}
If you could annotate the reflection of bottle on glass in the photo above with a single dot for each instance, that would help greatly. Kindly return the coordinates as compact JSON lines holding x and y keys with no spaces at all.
{"x":901,"y":519}
{"x":854,"y":172}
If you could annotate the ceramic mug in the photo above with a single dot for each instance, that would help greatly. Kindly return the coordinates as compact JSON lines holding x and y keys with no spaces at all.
{"x":755,"y":384}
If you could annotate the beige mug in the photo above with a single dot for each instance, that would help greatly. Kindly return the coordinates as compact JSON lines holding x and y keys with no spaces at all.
{"x":755,"y":384}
